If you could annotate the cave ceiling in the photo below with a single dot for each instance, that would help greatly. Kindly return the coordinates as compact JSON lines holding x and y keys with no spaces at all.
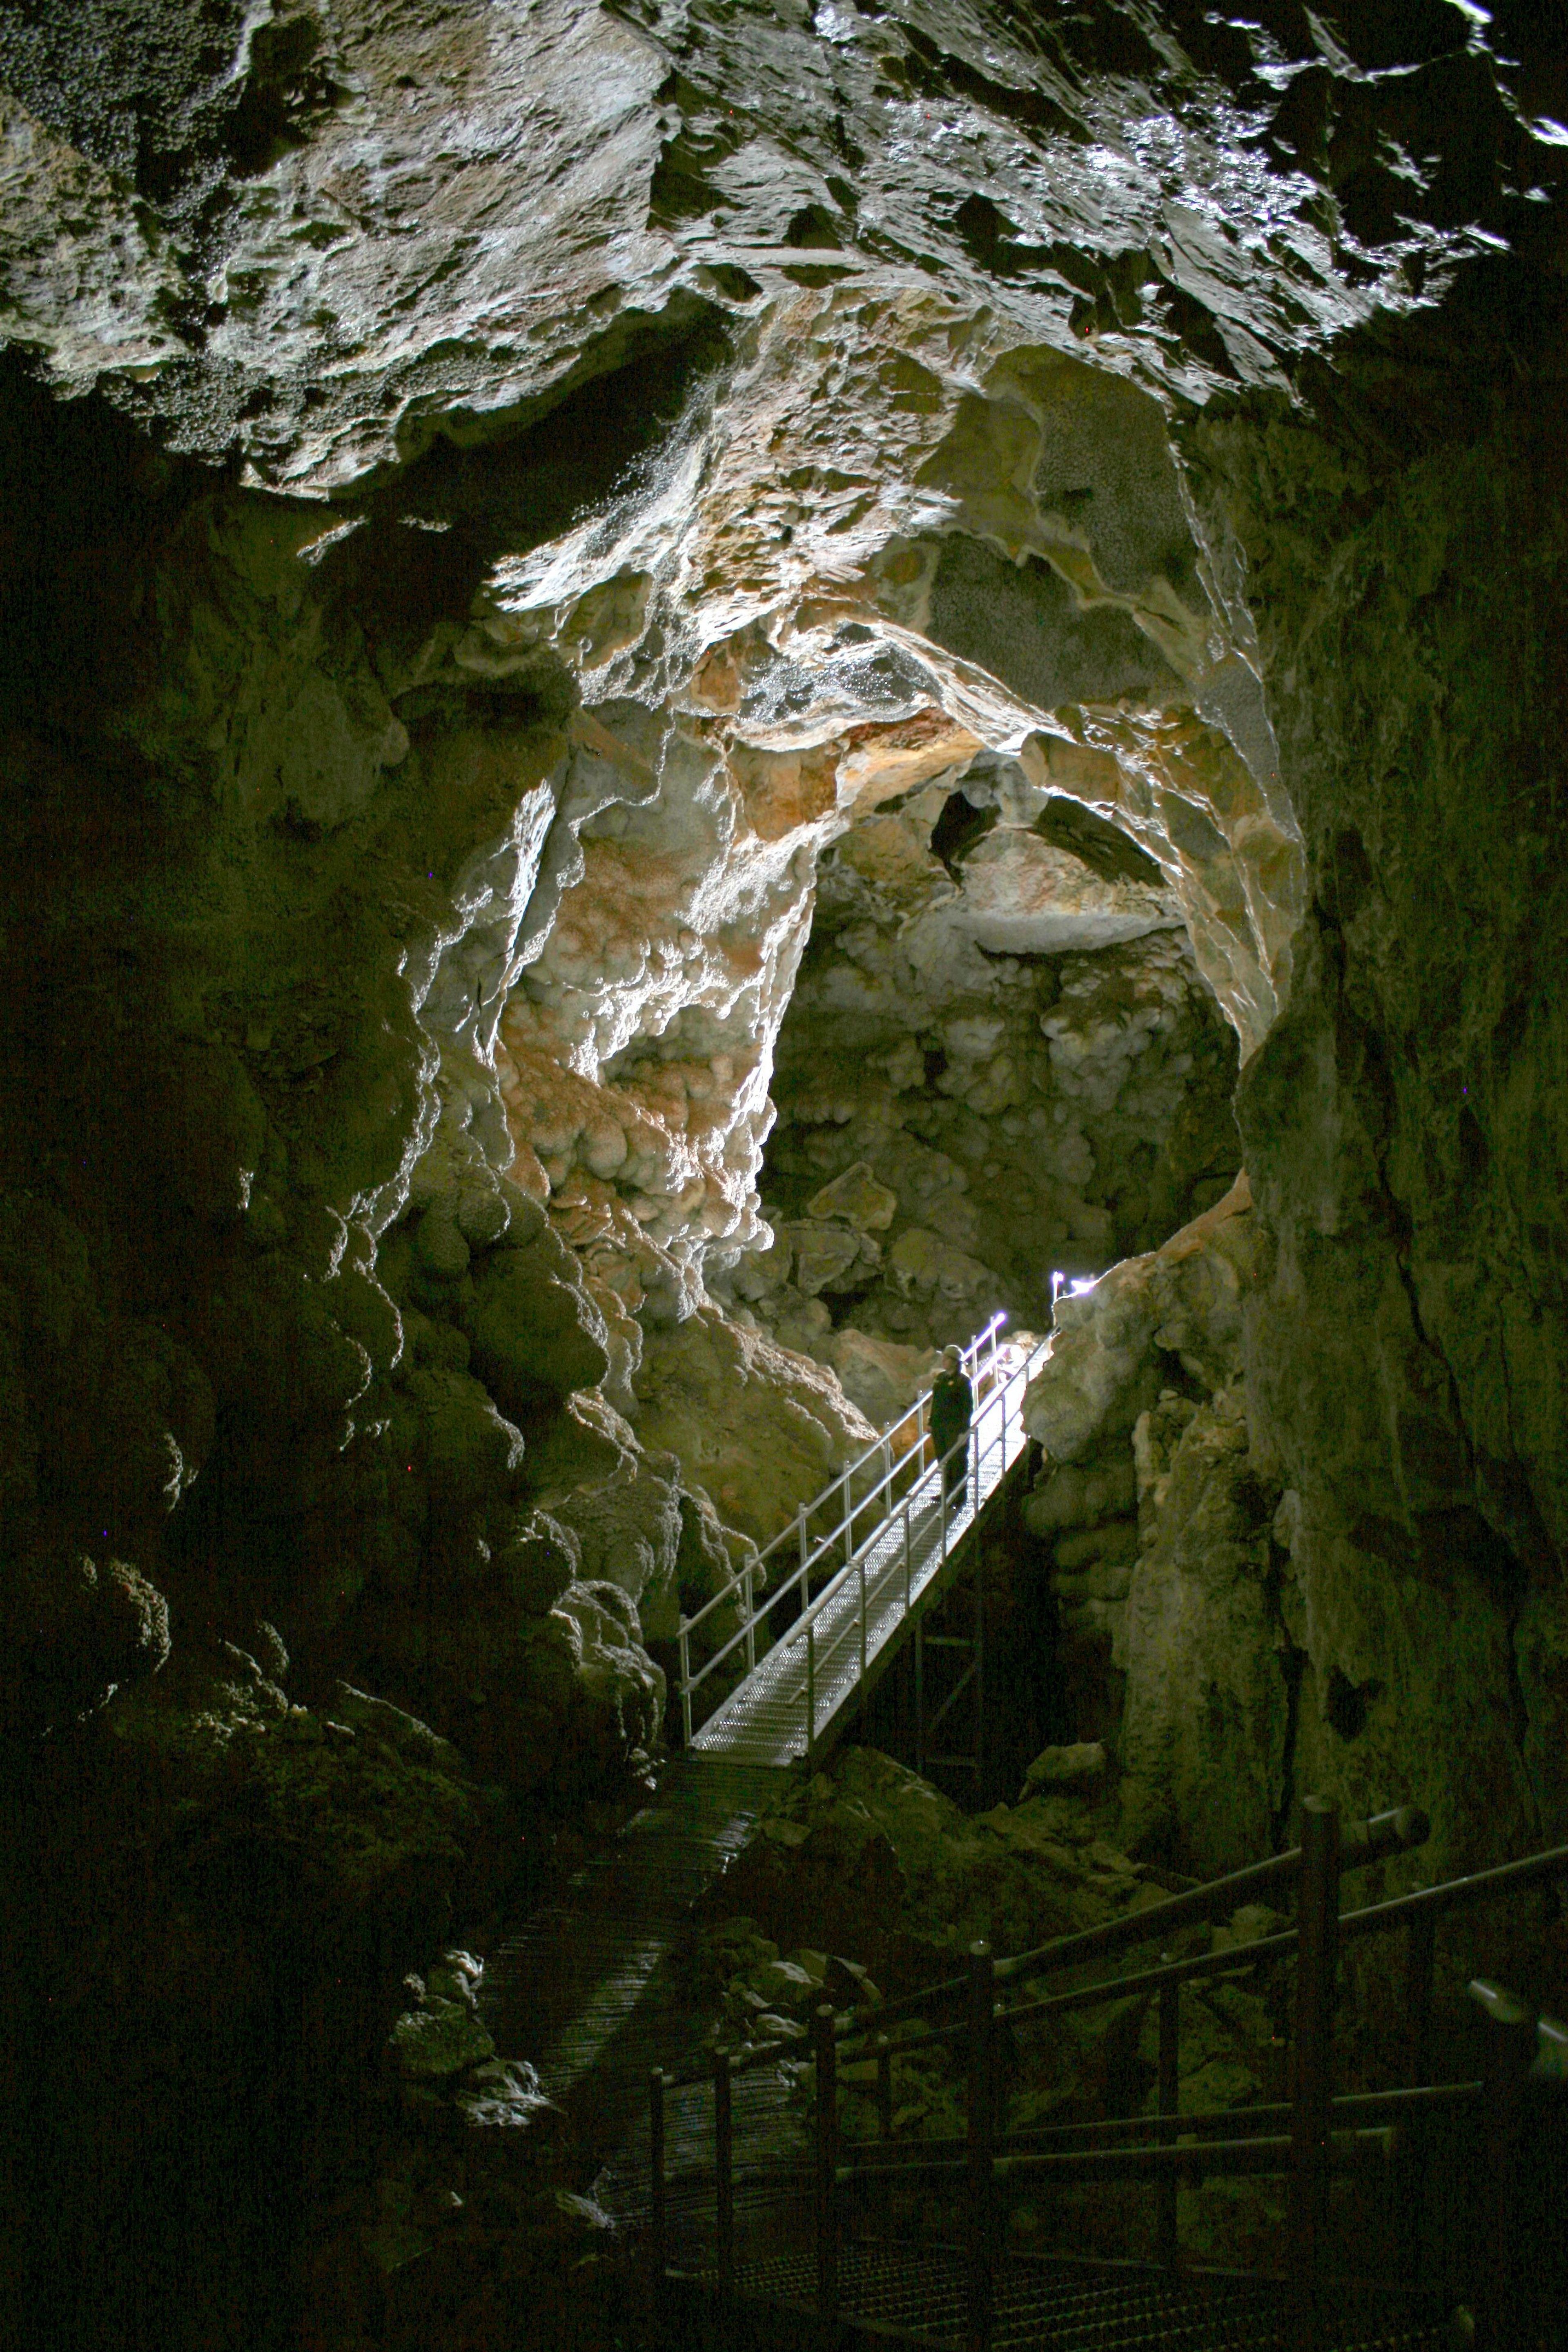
{"x":802,"y":376}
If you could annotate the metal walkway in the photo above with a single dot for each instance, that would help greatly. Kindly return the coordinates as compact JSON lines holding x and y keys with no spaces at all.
{"x":897,"y":2289}
{"x":888,"y":1524}
{"x":586,"y":1991}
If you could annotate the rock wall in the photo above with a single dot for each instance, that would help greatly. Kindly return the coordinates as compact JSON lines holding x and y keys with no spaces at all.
{"x":1405,"y":1348}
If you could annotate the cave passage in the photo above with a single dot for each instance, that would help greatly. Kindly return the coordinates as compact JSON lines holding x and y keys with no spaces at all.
{"x":965,"y":1130}
{"x":689,"y":697}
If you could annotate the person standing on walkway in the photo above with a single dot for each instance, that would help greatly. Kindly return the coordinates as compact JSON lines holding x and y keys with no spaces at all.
{"x":951,"y":1411}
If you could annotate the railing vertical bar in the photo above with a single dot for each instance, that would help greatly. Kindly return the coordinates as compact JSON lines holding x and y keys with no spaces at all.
{"x":725,"y":2171}
{"x":919,"y":1698}
{"x":751,"y":1623}
{"x":981,"y":2133}
{"x":1509,"y":2050}
{"x":1419,"y":1957}
{"x":979,"y":1661}
{"x":1166,"y":2249}
{"x":826,"y":2163}
{"x":811,"y":1692}
{"x":685,"y":1685}
{"x":658,"y":2212}
{"x":862,"y":1618}
{"x":1317,"y":1916}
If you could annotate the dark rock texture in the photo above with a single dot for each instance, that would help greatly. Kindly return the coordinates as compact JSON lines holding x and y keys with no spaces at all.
{"x":1406,"y":1352}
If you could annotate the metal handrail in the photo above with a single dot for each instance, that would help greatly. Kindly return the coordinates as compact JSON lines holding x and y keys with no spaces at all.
{"x":1361,"y":1844}
{"x":1374,"y":1840}
{"x":808,"y":1511}
{"x":1428,"y":1904}
{"x":1526,"y":2056}
{"x":805,"y":1624}
{"x":1221,"y":2160}
{"x":991,"y":1390}
{"x":1357,"y":2107}
{"x":987,"y":1336}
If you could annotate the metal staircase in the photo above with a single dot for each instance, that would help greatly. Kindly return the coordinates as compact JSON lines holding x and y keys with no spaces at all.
{"x":881,"y":1545}
{"x":762,"y":2222}
{"x":584,"y":1990}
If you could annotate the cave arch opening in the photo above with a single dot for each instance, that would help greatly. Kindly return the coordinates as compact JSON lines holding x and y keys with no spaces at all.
{"x":1000,"y":1072}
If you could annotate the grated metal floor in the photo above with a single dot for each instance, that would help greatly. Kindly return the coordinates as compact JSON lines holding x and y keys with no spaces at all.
{"x":585,"y":1988}
{"x":918,"y":2292}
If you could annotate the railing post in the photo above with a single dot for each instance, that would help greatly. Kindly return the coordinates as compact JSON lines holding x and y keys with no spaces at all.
{"x":884,"y":2049}
{"x":862,"y":1565}
{"x":1317,"y":1953}
{"x":810,"y":1692}
{"x":979,"y":1661}
{"x":908,"y":1570}
{"x":920,"y":1697}
{"x":826,"y":2163}
{"x":1421,"y":1938}
{"x":1166,"y":2249}
{"x":1419,"y":1955}
{"x":685,"y":1685}
{"x":981,"y":2133}
{"x":657,"y":2211}
{"x":751,"y":1621}
{"x":724,"y":2172}
{"x":1509,"y":2050}
{"x":805,"y":1552}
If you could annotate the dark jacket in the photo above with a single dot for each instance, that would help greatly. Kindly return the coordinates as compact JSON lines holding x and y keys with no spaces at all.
{"x":952,"y":1409}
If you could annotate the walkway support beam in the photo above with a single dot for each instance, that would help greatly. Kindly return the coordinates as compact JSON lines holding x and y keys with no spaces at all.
{"x":660,"y":2216}
{"x":724,"y":2169}
{"x":1316,"y":1958}
{"x":1167,"y":2250}
{"x":981,"y":2143}
{"x":826,"y":2055}
{"x":1510,"y":2053}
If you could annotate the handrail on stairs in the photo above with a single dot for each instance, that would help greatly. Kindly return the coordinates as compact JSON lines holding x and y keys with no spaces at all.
{"x":995,"y":1381}
{"x":1311,"y":2139}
